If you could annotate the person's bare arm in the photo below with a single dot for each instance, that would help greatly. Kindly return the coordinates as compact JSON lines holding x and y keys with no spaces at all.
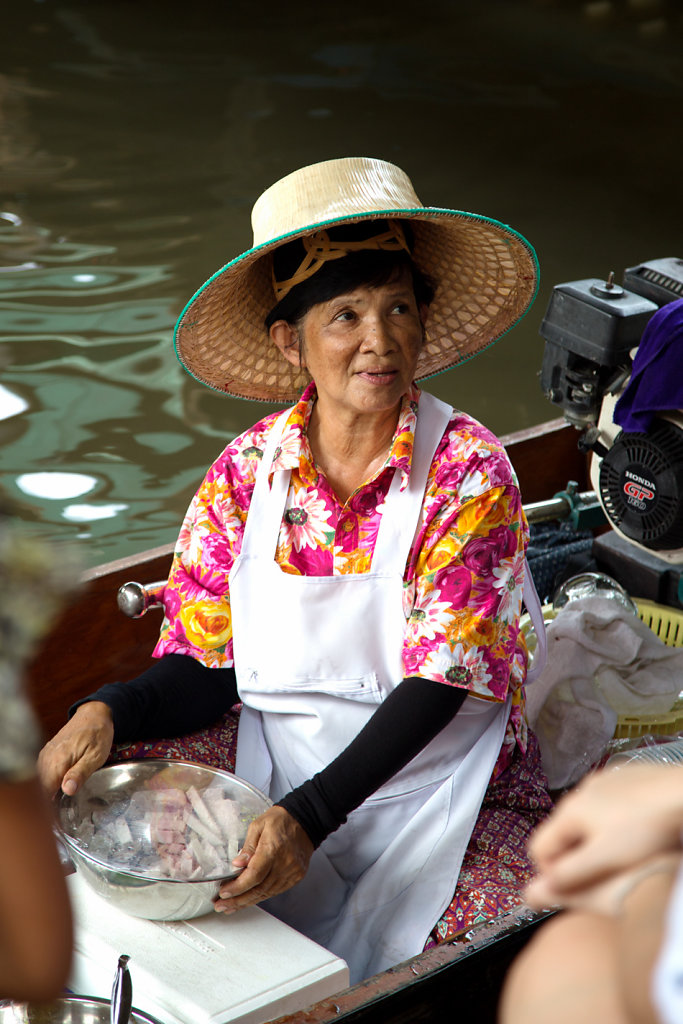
{"x":36,"y":928}
{"x":585,"y":966}
{"x":606,"y":831}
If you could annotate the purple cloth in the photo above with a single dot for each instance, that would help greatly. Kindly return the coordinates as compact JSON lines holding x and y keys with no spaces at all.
{"x":656,"y":382}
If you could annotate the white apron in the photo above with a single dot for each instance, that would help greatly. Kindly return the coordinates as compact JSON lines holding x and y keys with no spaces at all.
{"x":314,"y":656}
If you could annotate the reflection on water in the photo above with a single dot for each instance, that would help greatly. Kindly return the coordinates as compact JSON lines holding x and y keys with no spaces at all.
{"x":134,"y":138}
{"x":83,"y":376}
{"x":55,"y":485}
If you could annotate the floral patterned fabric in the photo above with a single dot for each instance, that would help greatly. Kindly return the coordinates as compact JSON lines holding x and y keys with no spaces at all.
{"x":463,"y":581}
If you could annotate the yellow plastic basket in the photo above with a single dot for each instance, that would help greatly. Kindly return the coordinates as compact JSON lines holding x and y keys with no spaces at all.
{"x":667,"y":623}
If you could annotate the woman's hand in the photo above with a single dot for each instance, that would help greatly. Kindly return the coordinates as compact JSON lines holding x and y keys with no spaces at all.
{"x":275,"y":856}
{"x":603,"y":832}
{"x":77,"y":750}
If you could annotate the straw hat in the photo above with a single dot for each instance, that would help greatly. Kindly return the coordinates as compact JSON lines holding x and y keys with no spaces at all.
{"x":486,"y":277}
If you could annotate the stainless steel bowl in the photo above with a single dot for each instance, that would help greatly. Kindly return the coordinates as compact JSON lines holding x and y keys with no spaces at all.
{"x":122,"y":823}
{"x":69,"y":1010}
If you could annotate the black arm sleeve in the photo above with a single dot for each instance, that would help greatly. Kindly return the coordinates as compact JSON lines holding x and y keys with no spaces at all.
{"x":412,"y":715}
{"x":176,"y":695}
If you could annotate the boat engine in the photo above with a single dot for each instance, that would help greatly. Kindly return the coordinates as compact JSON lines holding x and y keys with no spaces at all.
{"x":592,"y":329}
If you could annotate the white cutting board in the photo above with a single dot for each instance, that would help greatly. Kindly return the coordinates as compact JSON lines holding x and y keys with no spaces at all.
{"x":246,"y":968}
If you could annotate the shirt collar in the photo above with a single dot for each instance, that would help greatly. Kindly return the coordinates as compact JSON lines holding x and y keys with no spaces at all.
{"x":294,"y":452}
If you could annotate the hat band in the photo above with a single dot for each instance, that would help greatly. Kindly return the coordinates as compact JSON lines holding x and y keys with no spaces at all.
{"x":320,"y":248}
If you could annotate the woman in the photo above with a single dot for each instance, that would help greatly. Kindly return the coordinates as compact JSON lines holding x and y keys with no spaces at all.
{"x":351,"y":569}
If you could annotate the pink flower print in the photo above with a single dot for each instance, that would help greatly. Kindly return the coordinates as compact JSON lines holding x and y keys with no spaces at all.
{"x":480,"y":555}
{"x":500,"y":677}
{"x":232,"y":524}
{"x":413,"y":659}
{"x":408,"y":597}
{"x":198,"y":587}
{"x":459,"y":666}
{"x":474,"y":483}
{"x":480,"y":432}
{"x":172,"y":601}
{"x":454,"y":583}
{"x":215,"y":552}
{"x":185,"y":535}
{"x":448,"y":475}
{"x":506,"y":540}
{"x":498,"y":469}
{"x":288,"y":450}
{"x":304,"y":523}
{"x":367,"y":500}
{"x":509,"y":579}
{"x":484,"y":600}
{"x":308,"y":562}
{"x":429,"y":618}
{"x":475,"y":660}
{"x":241,"y":493}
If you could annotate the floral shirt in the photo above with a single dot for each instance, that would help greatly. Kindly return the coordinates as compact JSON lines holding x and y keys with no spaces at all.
{"x":462,"y":586}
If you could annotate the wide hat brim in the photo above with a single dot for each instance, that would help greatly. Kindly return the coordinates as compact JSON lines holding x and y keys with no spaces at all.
{"x":486,"y":277}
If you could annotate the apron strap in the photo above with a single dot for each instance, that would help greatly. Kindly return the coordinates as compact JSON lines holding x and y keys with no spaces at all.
{"x":265,"y":501}
{"x":397,"y":532}
{"x":533,"y":603}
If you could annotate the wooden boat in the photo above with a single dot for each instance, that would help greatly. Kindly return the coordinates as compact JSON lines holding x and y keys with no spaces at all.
{"x":93,"y":643}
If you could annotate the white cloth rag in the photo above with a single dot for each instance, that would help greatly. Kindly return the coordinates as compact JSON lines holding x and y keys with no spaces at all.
{"x":603,"y":662}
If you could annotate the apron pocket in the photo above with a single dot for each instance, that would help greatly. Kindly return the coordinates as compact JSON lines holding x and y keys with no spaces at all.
{"x":258,"y":688}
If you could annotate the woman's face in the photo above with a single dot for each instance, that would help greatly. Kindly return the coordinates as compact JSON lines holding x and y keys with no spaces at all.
{"x":361,"y":348}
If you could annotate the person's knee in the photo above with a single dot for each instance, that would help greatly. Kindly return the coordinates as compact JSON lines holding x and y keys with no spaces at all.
{"x":566,"y":973}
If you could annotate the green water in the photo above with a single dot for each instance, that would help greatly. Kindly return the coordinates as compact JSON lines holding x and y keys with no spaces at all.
{"x":134,"y":137}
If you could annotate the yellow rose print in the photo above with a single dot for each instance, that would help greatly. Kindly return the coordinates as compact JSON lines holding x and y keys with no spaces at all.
{"x":488,"y":507}
{"x":207,"y":624}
